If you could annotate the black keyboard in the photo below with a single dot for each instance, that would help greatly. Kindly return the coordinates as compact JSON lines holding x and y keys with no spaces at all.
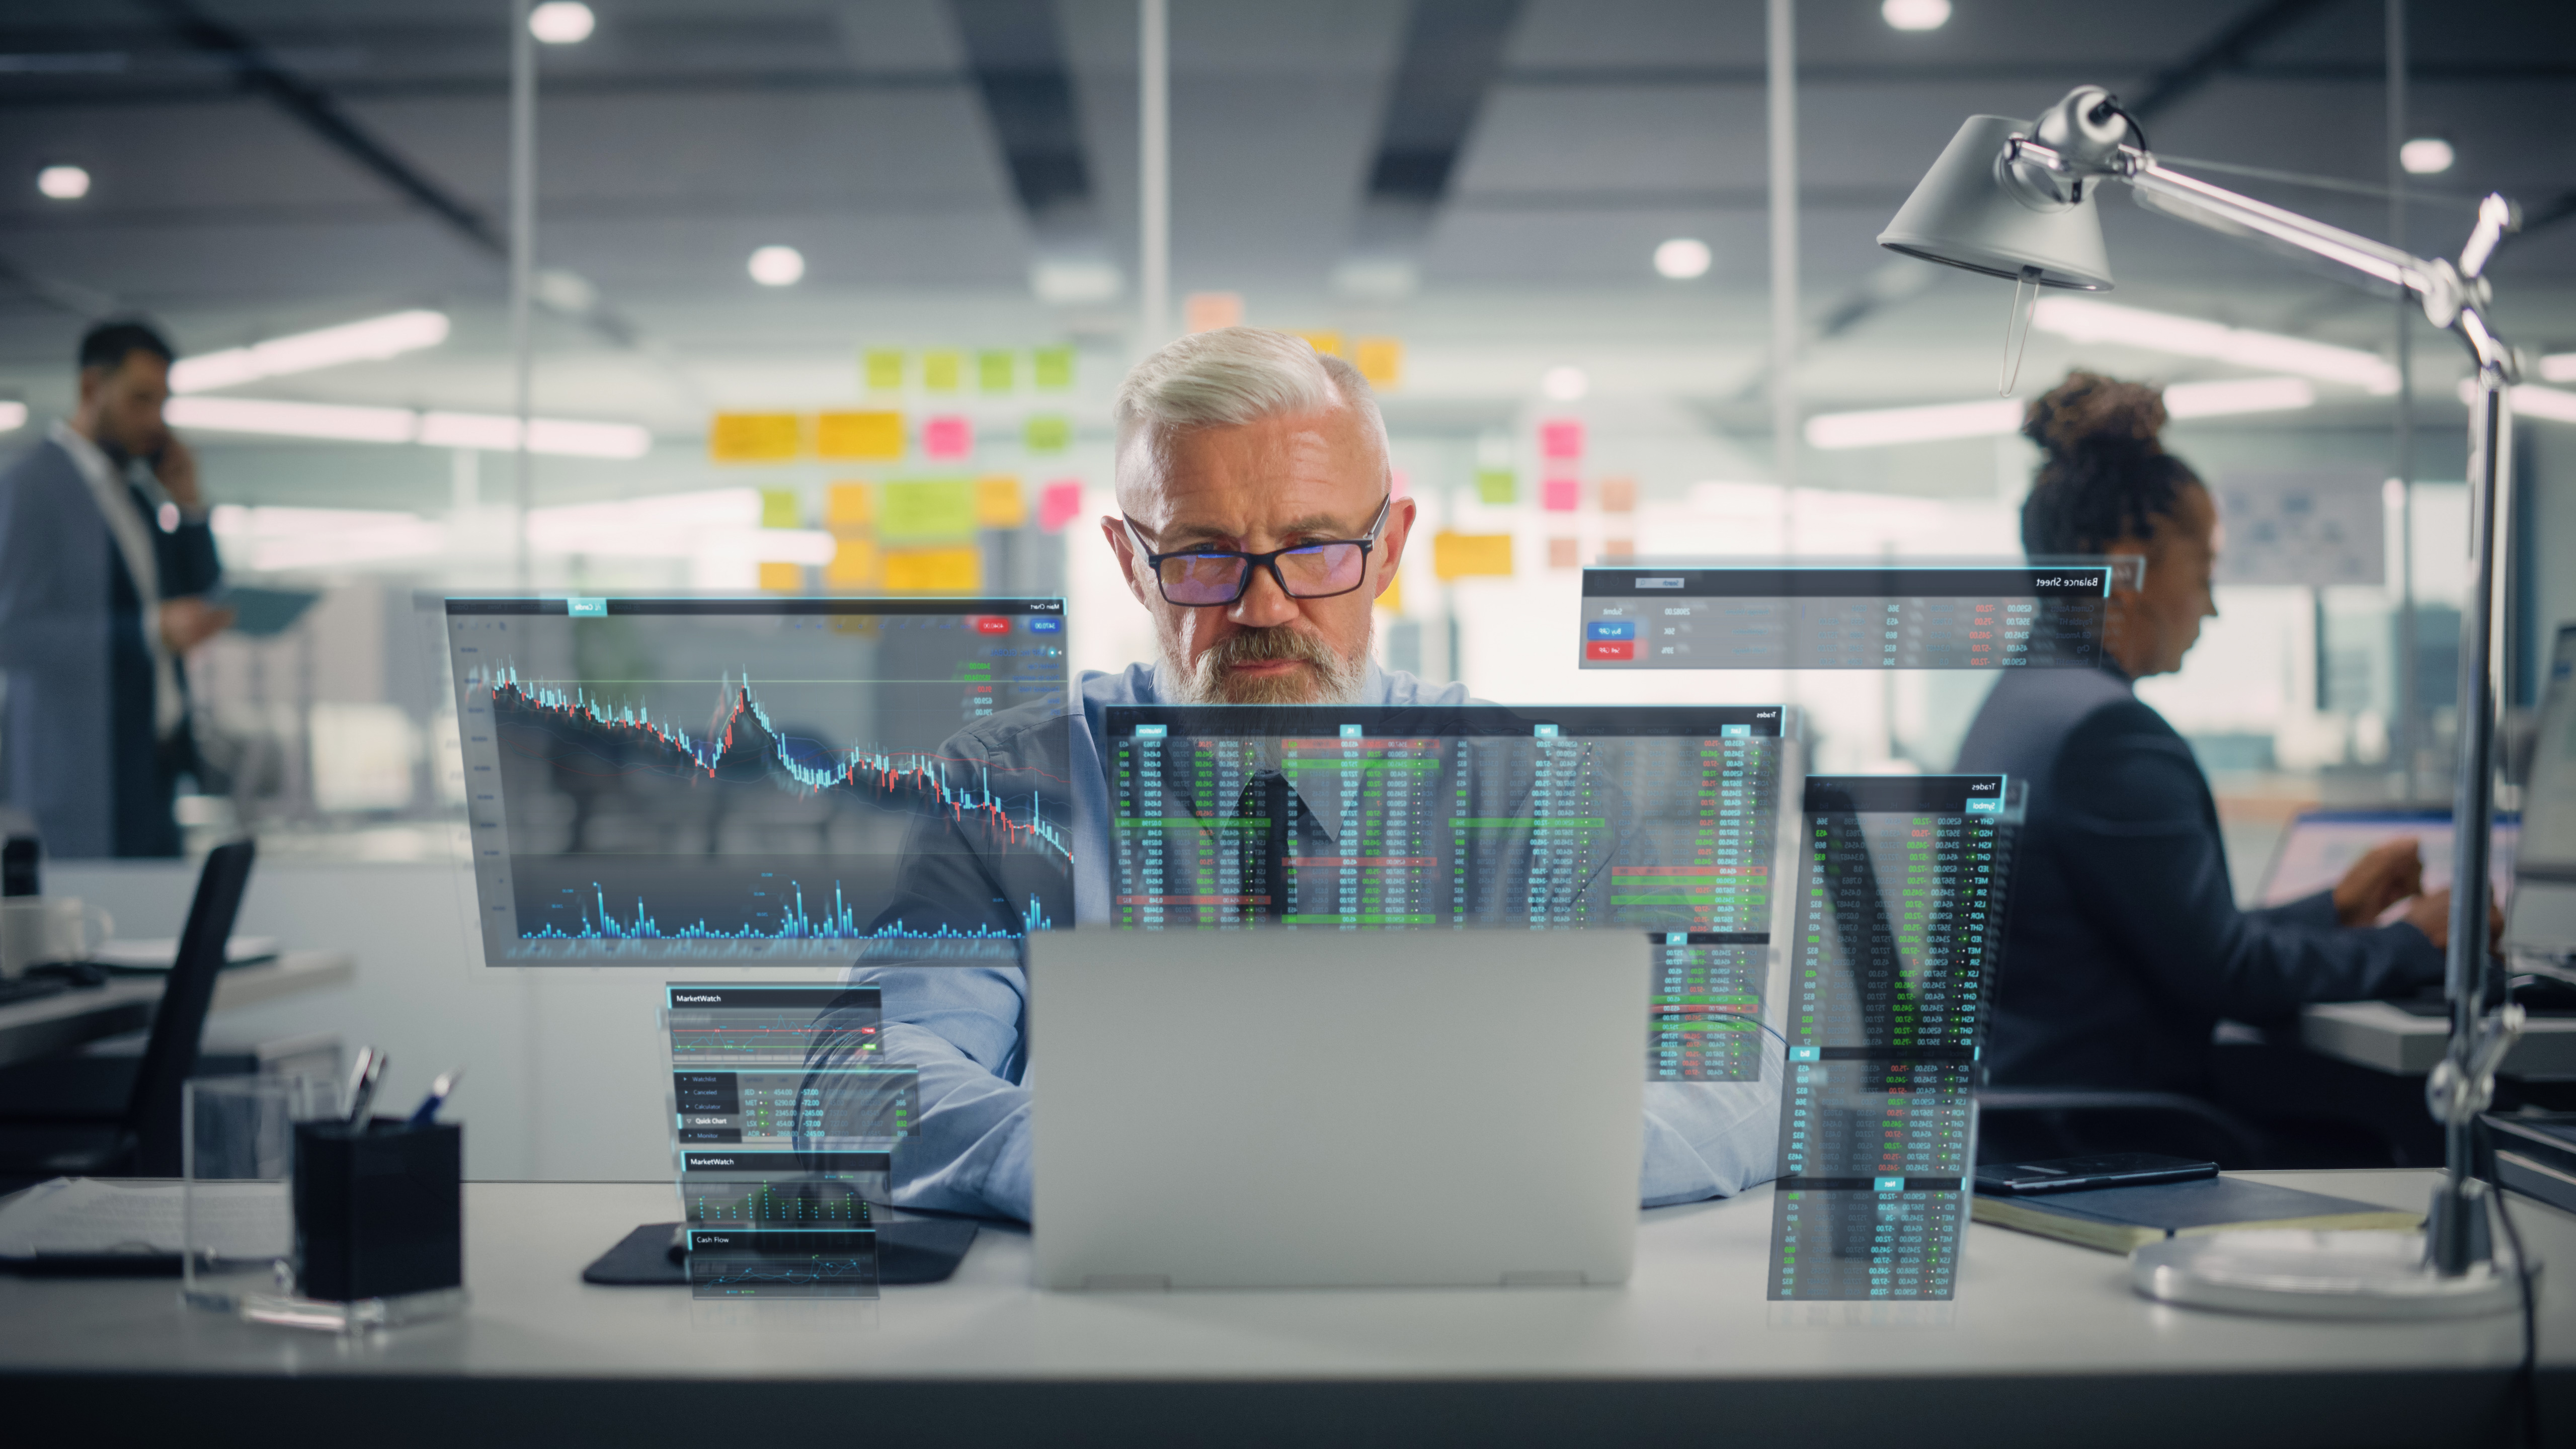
{"x":30,"y":988}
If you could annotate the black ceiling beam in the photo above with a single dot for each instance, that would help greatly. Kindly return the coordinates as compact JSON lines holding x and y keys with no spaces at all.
{"x":1453,"y":50}
{"x":1016,"y":59}
{"x":2228,"y":50}
{"x":256,"y":72}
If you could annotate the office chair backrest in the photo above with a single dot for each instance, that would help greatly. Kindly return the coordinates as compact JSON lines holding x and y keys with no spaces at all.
{"x":152,"y":1115}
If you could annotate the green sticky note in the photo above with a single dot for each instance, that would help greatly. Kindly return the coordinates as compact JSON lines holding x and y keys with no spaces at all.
{"x":1497,"y":485}
{"x":1047,"y":433}
{"x":781,"y":508}
{"x":1054,"y":367}
{"x":884,"y":368}
{"x":927,"y":508}
{"x":993,"y":371}
{"x":939,"y":371}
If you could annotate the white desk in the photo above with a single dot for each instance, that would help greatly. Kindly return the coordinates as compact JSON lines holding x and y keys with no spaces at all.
{"x":2046,"y":1345}
{"x":2377,"y":1035}
{"x":58,"y":1023}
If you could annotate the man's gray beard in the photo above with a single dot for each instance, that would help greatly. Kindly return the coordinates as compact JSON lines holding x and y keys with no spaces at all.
{"x":1333,"y":680}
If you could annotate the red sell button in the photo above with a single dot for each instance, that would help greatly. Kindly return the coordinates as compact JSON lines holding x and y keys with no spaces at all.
{"x":1610,"y":649}
{"x":992,"y":626}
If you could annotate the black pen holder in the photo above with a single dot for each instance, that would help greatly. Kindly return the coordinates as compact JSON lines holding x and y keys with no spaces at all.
{"x":379,"y":1210}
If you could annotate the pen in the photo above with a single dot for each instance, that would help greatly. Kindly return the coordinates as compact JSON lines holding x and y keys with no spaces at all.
{"x":427,"y":1111}
{"x":362,"y":1093}
{"x":358,"y":1074}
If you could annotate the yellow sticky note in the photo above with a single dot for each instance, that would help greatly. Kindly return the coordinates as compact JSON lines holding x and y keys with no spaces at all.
{"x":782,"y":578}
{"x":939,"y":370}
{"x":927,"y":508}
{"x":1471,"y":555}
{"x":1393,"y":599}
{"x":1380,"y":360}
{"x":858,"y":435}
{"x":883,"y":367}
{"x":847,"y":507}
{"x":781,"y":508}
{"x":934,"y":570}
{"x":752,"y":437}
{"x":999,"y":503}
{"x":1047,"y":433}
{"x":853,"y":565}
{"x":1053,"y":366}
{"x":993,"y":371}
{"x":1327,"y":343}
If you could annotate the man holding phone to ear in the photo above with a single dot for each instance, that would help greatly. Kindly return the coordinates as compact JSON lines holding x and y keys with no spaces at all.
{"x":102,"y":584}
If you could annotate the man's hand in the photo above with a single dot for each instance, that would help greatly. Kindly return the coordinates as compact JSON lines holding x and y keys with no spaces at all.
{"x":176,"y":468}
{"x":2388,"y":874}
{"x":2431,"y":914}
{"x":187,"y":623}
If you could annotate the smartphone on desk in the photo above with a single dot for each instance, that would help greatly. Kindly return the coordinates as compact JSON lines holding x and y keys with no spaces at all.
{"x":2074,"y":1174}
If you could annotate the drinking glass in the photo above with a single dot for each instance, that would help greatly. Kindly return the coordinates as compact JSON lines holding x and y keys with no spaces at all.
{"x":238,"y":1160}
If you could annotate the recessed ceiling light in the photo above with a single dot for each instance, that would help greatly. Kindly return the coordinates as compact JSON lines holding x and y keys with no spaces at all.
{"x":63,"y":183}
{"x":567,"y":22}
{"x":1916,"y":14}
{"x":1682,"y":258}
{"x":1564,"y":384}
{"x":777,"y":266}
{"x":2426,"y":156}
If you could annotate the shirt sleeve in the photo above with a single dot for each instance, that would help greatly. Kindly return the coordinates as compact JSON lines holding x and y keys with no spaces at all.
{"x":960,"y":1026}
{"x":1712,"y":1139}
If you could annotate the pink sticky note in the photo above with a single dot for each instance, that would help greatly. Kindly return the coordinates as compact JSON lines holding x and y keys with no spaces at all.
{"x":1561,"y":438}
{"x":1059,"y":504}
{"x":948,"y":436}
{"x":1560,"y":495}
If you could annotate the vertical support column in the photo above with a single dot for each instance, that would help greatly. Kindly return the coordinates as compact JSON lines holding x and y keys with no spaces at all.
{"x":1154,"y":174}
{"x":2410,"y":687}
{"x":523,"y":270}
{"x":1782,"y":86}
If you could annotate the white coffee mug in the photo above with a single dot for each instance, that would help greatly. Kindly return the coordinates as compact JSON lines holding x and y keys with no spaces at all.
{"x":37,"y":929}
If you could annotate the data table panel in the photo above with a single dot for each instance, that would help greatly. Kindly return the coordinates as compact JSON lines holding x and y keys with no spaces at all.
{"x":1843,"y":618}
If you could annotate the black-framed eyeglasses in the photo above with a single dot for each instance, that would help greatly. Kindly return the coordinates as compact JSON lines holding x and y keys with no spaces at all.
{"x":1199,"y":578}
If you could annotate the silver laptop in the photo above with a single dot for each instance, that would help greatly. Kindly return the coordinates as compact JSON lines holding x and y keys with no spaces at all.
{"x":1302,"y":1109}
{"x":2542,"y":919}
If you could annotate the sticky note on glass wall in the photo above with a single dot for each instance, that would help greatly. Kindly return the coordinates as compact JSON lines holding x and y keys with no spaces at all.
{"x":752,"y":437}
{"x":940,"y":370}
{"x":1561,"y":438}
{"x":1329,"y":344}
{"x":1564,"y":553}
{"x":927,"y":508}
{"x":1052,"y":367}
{"x":1618,"y":550}
{"x":848,"y":507}
{"x":883,"y":368}
{"x":1618,"y":495}
{"x":1497,"y":485}
{"x":1393,"y":599}
{"x":1380,"y":360}
{"x":993,"y":371}
{"x":1060,"y":504}
{"x":999,"y":503}
{"x":1471,"y":555}
{"x":858,"y":435}
{"x":853,"y":565}
{"x":1047,"y":433}
{"x":1560,"y":495}
{"x":781,"y":508}
{"x":949,"y":435}
{"x":1208,"y":311}
{"x":782,"y":578}
{"x":934,"y":570}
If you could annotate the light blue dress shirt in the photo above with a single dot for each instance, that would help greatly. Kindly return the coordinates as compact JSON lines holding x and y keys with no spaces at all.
{"x":965,"y":1028}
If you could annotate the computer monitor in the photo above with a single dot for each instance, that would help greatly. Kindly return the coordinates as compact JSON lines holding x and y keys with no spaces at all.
{"x":2322,"y":844}
{"x":738,"y":781}
{"x":2542,"y":920}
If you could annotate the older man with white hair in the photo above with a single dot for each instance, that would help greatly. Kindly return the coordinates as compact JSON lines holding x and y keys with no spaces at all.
{"x":1257,"y":525}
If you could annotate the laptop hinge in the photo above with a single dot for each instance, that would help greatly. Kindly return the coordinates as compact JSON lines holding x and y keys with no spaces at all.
{"x":1126,"y":1283}
{"x":1546,"y":1278}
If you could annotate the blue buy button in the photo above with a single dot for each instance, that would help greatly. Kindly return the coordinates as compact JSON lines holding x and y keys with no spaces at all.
{"x":1047,"y":624}
{"x":1612,"y":629}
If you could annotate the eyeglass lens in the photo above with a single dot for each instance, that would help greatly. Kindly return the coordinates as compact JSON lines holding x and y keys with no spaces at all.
{"x":1218,"y":578}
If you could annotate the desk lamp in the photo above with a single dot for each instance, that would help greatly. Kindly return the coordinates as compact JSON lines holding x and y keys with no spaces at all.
{"x":2015,"y":199}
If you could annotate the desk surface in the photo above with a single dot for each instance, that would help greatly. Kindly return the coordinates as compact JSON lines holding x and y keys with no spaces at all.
{"x":32,"y":1029}
{"x":2387,"y":1038}
{"x":2041,"y":1330}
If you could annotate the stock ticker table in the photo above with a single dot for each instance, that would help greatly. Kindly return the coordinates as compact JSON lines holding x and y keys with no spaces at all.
{"x":2045,"y":1344}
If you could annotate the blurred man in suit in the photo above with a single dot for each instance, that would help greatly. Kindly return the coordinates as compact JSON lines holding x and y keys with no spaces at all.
{"x":102,"y":584}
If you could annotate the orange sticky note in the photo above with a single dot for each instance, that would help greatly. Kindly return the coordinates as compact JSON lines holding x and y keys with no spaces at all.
{"x":934,"y":570}
{"x":999,"y":503}
{"x":853,"y":565}
{"x":1208,"y":311}
{"x":1380,"y":360}
{"x":753,"y":437}
{"x":1618,"y":550}
{"x":858,"y":435}
{"x":1564,"y":553}
{"x":847,"y":507}
{"x":1618,"y":495}
{"x":1471,"y":555}
{"x":782,"y":578}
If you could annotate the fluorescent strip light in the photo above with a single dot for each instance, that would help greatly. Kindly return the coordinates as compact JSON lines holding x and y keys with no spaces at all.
{"x":1884,"y":426}
{"x":368,"y":341}
{"x":2531,"y":402}
{"x":266,"y":540}
{"x":2558,"y":367}
{"x":340,"y":422}
{"x":2088,"y":321}
{"x":2238,"y":395}
{"x":13,"y":416}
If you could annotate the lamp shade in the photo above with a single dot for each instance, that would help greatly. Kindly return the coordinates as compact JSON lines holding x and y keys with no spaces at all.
{"x":1963,"y":215}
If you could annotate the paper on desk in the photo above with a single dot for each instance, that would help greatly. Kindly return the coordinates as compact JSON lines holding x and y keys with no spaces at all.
{"x":83,"y":1215}
{"x":160,"y":953}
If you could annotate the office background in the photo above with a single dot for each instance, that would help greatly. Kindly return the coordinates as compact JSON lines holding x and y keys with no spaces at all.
{"x":1473,"y":199}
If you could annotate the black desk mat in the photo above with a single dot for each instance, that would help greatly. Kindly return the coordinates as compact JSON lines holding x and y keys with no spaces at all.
{"x":912,"y":1250}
